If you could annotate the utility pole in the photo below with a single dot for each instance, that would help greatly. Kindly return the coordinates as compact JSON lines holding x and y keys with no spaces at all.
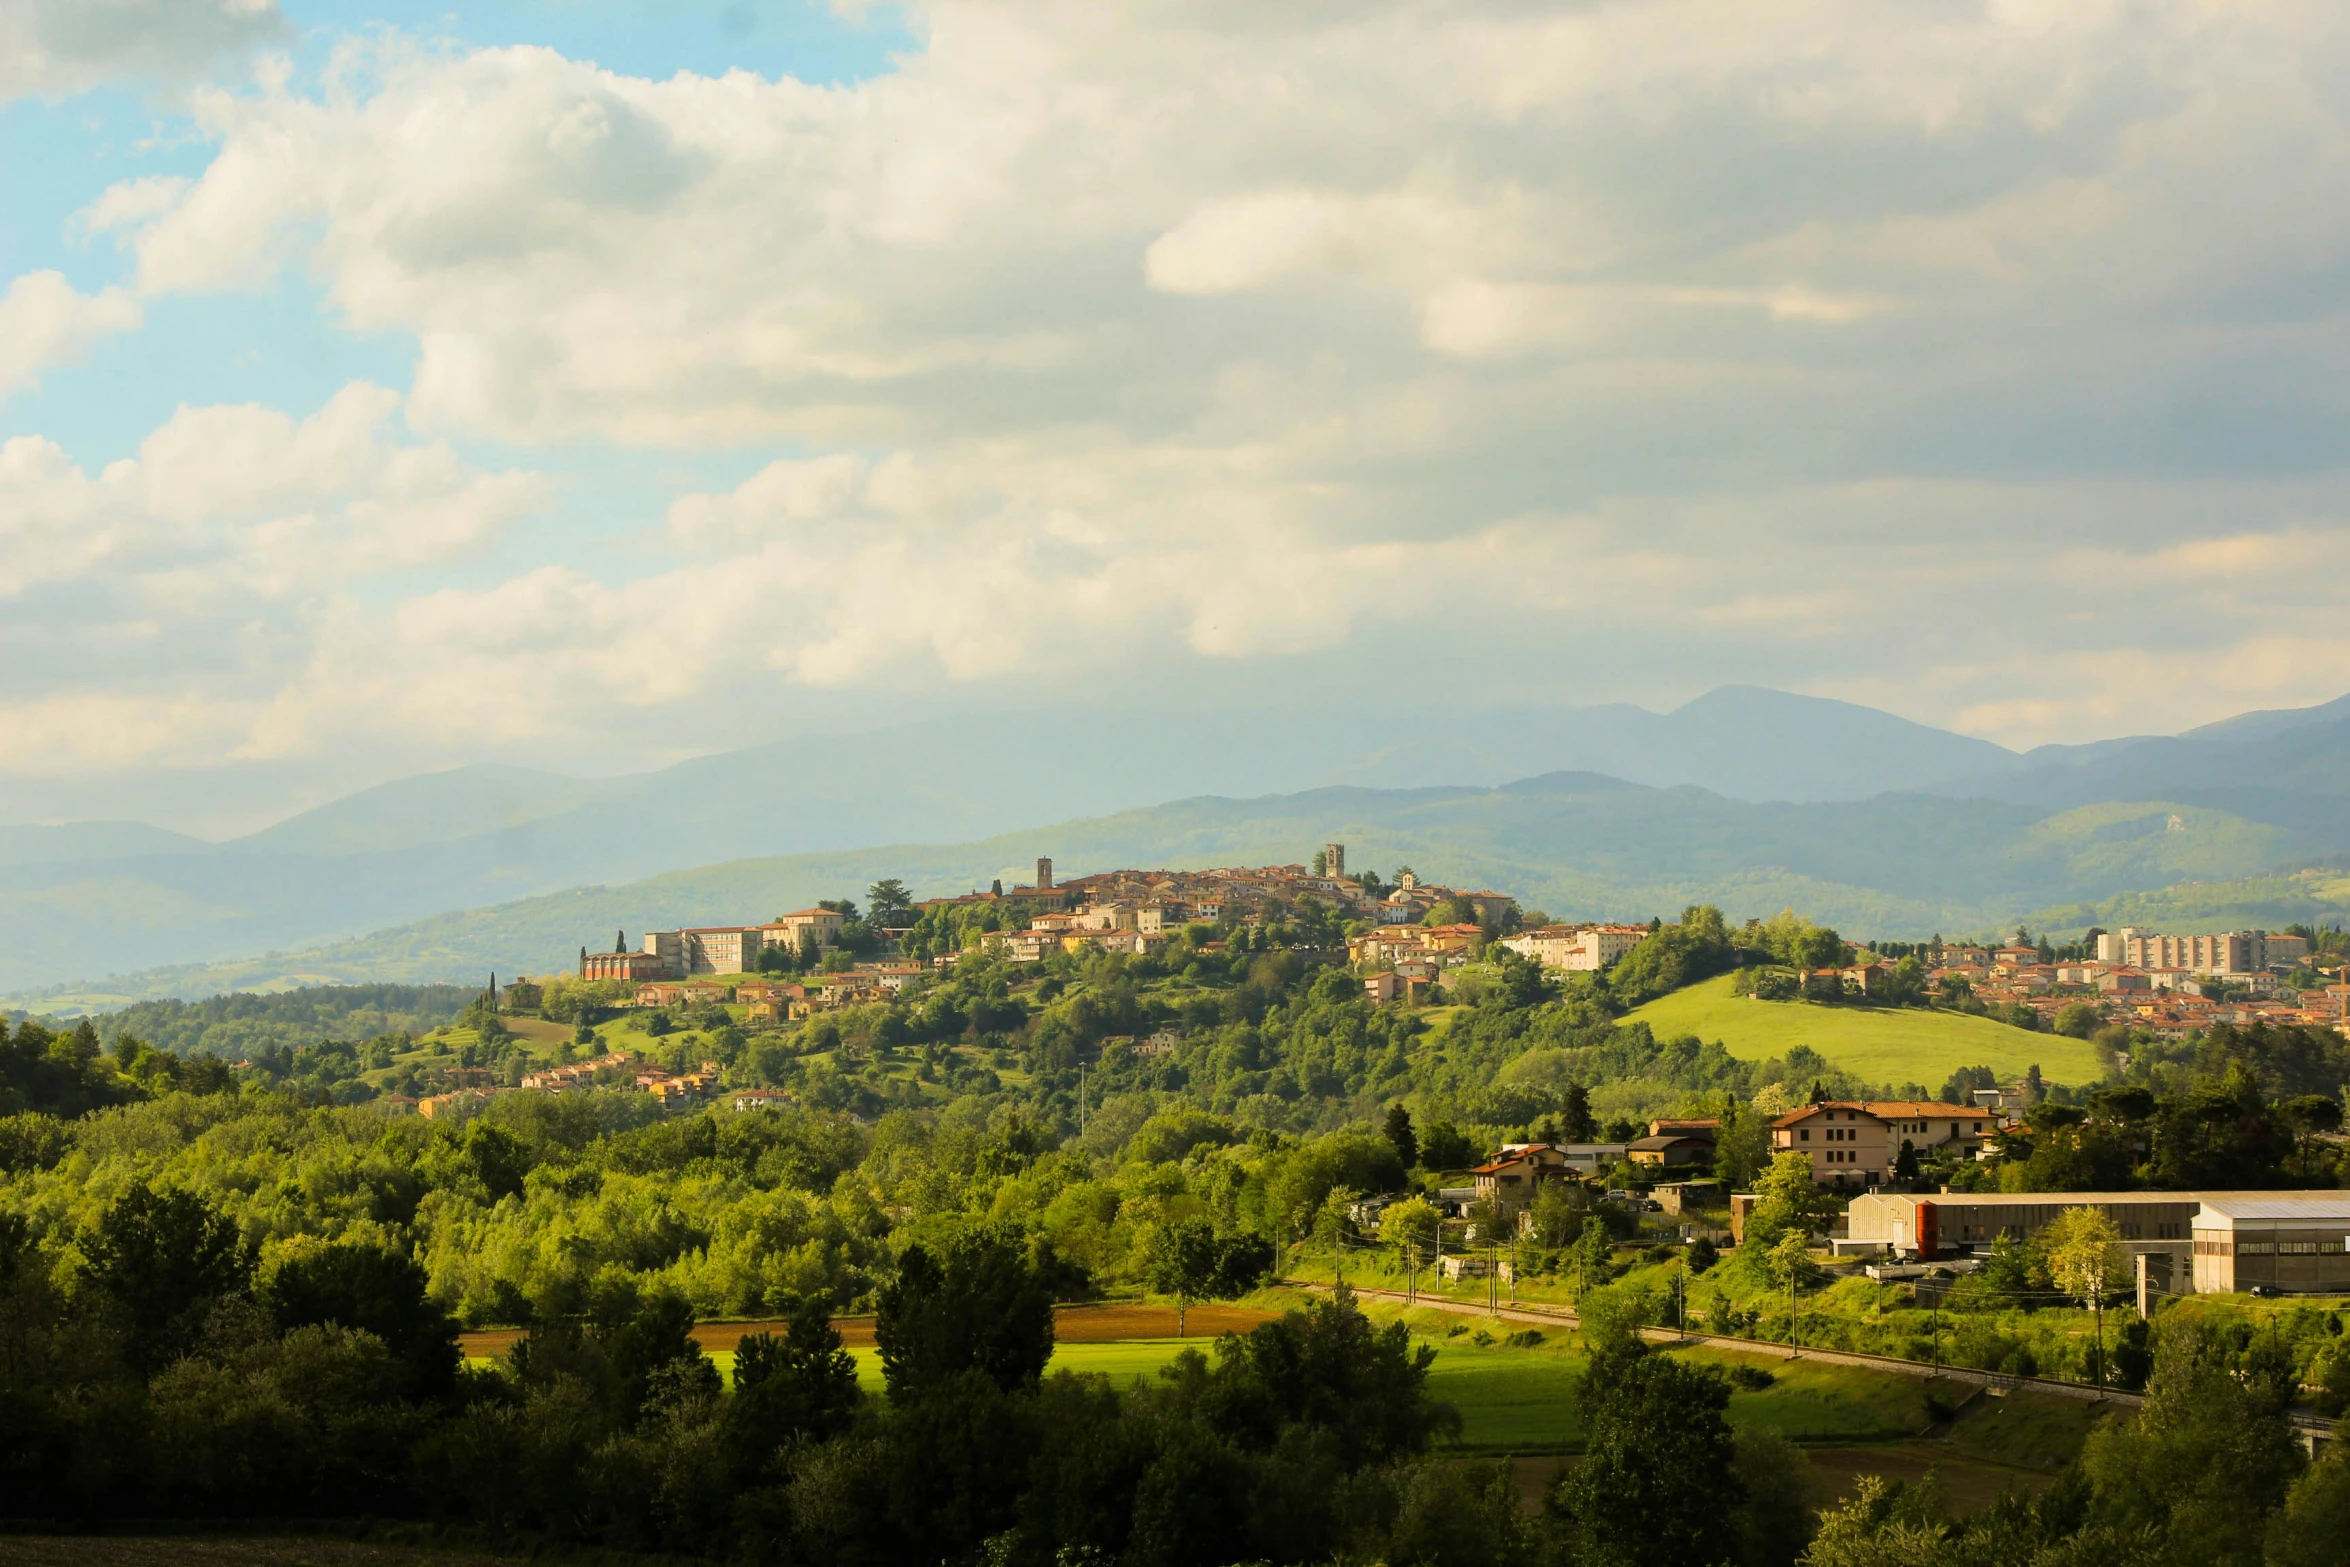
{"x":1081,"y":1099}
{"x":1794,"y":1340}
{"x":2099,"y":1314}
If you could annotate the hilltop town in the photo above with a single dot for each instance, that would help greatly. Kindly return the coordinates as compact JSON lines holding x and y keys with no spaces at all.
{"x":1406,"y":943}
{"x":1124,"y":911}
{"x":1403,"y":937}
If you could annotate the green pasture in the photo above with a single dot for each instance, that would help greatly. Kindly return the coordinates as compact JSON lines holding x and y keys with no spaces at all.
{"x":1522,"y":1400}
{"x":1883,"y":1044}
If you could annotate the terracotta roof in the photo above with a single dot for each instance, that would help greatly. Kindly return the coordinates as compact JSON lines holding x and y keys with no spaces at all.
{"x":1806,"y":1112}
{"x":1884,"y":1110}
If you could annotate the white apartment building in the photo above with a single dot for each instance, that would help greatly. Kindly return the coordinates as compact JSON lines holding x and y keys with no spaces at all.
{"x":1581,"y":948}
{"x":2232,"y":952}
{"x":735,"y":949}
{"x":721,"y":949}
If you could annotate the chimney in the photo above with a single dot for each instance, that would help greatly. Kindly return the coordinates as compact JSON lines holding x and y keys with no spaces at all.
{"x":1044,"y":873}
{"x":1334,"y":859}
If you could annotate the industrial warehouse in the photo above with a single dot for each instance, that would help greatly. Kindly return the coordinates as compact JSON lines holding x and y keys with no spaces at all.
{"x":2295,"y":1242}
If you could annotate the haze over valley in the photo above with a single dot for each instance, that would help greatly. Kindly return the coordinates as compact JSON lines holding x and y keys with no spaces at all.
{"x":1751,"y":799}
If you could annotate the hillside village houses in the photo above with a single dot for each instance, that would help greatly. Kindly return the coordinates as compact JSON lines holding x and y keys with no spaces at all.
{"x":1128,"y":911}
{"x":2169,"y":986}
{"x":1121,"y":911}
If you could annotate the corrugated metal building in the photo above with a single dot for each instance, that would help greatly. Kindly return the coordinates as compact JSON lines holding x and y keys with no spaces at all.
{"x":2298,"y":1241}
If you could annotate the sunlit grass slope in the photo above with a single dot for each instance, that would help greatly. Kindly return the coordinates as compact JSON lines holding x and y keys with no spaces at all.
{"x":1882,"y":1044}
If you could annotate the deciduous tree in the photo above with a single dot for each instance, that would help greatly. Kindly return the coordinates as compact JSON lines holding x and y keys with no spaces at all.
{"x":164,"y":1258}
{"x":973,"y":1305}
{"x":1657,"y":1485}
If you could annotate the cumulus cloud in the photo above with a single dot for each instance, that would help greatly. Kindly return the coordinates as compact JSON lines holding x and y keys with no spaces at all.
{"x":250,"y":493}
{"x":192,"y":579}
{"x":1062,"y":201}
{"x":1667,"y":342}
{"x":52,"y":47}
{"x":995,"y":562}
{"x":44,"y":322}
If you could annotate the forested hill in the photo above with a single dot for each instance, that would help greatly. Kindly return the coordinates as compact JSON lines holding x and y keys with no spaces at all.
{"x":1576,"y":844}
{"x":234,"y":1026}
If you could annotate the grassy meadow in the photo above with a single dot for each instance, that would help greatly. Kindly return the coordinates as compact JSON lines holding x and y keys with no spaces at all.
{"x":1887,"y":1044}
{"x":1522,"y":1400}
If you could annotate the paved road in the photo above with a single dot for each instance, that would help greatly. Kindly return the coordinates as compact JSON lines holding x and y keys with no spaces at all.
{"x":2312,"y":1428}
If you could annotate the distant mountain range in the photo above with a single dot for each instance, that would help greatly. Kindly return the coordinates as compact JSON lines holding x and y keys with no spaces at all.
{"x":1748,"y":797}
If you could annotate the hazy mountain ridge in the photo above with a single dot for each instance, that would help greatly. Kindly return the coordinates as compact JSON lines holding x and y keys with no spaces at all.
{"x":1731,"y":783}
{"x":489,"y":834}
{"x":86,"y":842}
{"x":1572,"y":844}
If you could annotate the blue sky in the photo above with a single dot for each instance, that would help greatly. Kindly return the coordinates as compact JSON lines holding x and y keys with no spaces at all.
{"x":589,"y":384}
{"x":62,"y":150}
{"x":285,"y":349}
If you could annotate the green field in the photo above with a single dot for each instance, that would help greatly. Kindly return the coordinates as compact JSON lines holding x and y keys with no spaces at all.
{"x":1884,"y":1044}
{"x":1523,"y":1400}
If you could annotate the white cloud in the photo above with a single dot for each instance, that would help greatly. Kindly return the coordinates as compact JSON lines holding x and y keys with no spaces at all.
{"x":192,"y":579}
{"x":1828,"y":344}
{"x":129,"y":204}
{"x":51,"y":47}
{"x":44,"y":323}
{"x":699,"y":260}
{"x":780,"y":495}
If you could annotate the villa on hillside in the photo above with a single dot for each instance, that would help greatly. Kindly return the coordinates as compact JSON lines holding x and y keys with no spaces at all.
{"x":1855,"y":1143}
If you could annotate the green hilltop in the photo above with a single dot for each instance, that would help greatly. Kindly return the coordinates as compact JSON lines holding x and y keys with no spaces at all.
{"x":1882,"y":1044}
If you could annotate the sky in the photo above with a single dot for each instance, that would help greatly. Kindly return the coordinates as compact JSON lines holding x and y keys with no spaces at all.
{"x":593,"y":383}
